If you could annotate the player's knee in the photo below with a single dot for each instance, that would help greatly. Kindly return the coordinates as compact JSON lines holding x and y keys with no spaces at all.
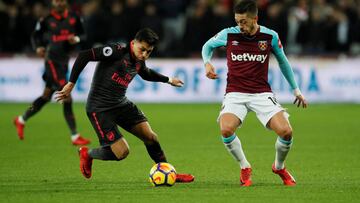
{"x":47,"y":95}
{"x":68,"y":100}
{"x":46,"y":98}
{"x":285,"y":133}
{"x":227,"y":132}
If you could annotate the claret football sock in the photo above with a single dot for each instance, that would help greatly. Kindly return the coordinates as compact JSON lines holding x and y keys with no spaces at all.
{"x":155,"y":152}
{"x":233,"y":145}
{"x":102,"y":153}
{"x":282,"y":148}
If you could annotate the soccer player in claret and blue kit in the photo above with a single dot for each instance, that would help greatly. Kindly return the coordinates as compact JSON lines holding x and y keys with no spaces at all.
{"x":248,"y":47}
{"x":108,"y":107}
{"x":54,"y":38}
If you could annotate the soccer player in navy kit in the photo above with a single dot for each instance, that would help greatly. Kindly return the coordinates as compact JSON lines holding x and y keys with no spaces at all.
{"x":248,"y":48}
{"x":108,"y":107}
{"x":58,"y":32}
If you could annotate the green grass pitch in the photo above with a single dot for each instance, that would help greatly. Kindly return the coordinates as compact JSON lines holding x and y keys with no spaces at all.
{"x":325,"y":158}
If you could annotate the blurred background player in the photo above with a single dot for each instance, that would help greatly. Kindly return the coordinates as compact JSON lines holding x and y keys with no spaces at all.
{"x":248,"y":48}
{"x":107,"y":106}
{"x":58,"y":32}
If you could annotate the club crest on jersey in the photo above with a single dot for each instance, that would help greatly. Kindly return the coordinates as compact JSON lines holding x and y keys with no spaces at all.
{"x":107,"y":51}
{"x":234,"y":43}
{"x":263,"y":45}
{"x":111,"y":136}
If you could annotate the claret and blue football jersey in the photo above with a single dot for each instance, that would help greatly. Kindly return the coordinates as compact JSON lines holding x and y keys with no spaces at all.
{"x":248,"y":58}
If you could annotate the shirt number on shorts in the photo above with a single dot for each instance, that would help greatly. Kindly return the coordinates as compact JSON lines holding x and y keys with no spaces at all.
{"x":273,"y":100}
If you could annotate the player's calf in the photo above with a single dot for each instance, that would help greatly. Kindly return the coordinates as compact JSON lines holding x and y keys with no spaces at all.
{"x":107,"y":154}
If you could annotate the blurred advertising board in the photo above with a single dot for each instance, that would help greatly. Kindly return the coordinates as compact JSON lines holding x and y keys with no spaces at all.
{"x":320,"y":80}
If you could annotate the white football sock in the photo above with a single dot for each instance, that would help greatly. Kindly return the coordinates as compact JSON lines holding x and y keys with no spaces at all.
{"x":21,"y":120}
{"x":75,"y":137}
{"x":282,"y":148}
{"x":233,"y":145}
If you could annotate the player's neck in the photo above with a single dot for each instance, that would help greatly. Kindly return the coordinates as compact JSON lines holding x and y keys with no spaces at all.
{"x":255,"y":30}
{"x":59,"y":13}
{"x":132,"y":54}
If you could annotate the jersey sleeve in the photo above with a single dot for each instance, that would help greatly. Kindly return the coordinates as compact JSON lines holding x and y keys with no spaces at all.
{"x":151,"y":75}
{"x":107,"y":52}
{"x":219,"y":40}
{"x":284,"y":64}
{"x":37,"y":39}
{"x":110,"y":52}
{"x":79,"y":28}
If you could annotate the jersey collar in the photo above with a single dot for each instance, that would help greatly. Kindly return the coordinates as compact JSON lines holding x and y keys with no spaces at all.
{"x":58,"y":16}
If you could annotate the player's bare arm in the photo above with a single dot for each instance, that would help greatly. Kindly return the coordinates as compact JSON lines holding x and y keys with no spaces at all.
{"x":210,"y":71}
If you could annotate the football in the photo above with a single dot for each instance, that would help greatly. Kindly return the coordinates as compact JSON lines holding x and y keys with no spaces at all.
{"x":162,"y":174}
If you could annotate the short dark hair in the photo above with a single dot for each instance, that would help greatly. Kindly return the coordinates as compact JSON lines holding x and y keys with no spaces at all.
{"x":246,"y":6}
{"x":147,"y":35}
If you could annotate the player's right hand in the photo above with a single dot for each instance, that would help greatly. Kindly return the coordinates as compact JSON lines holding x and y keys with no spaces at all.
{"x":176,"y":82}
{"x":73,"y":39}
{"x":40,"y":51}
{"x":210,"y":71}
{"x":300,"y":100}
{"x":60,"y":96}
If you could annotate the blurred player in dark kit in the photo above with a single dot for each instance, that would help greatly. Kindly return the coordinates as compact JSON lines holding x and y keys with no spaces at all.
{"x":54,"y":37}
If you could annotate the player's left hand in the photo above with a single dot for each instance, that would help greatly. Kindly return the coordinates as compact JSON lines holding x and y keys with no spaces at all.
{"x":176,"y":82}
{"x":73,"y":39}
{"x":300,"y":100}
{"x":62,"y":95}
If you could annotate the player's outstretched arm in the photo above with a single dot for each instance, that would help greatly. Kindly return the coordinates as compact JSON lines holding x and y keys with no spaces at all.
{"x":151,"y":75}
{"x":300,"y":99}
{"x":210,"y":71}
{"x":37,"y":38}
{"x":62,"y":95}
{"x":175,"y":82}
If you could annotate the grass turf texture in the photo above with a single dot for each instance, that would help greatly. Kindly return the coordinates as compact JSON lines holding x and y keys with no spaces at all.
{"x":45,"y":166}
